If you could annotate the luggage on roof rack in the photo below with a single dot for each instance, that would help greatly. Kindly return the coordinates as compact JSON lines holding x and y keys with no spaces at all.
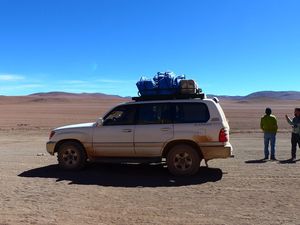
{"x":146,"y":86}
{"x":188,"y":87}
{"x":166,"y":83}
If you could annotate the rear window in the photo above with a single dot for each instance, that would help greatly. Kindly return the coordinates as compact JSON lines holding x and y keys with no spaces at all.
{"x":191,"y":113}
{"x":154,"y":114}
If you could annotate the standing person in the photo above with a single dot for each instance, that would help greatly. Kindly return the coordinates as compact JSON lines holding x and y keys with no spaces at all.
{"x":268,"y":124}
{"x":295,"y":139}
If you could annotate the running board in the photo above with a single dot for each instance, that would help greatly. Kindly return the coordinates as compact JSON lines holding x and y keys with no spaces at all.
{"x":127,"y":159}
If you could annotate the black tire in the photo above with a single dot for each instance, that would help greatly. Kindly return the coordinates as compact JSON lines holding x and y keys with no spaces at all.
{"x":183,"y":160}
{"x":71,"y":156}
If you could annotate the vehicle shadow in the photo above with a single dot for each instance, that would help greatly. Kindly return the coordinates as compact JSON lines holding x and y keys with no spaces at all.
{"x":125,"y":175}
{"x":256,"y":161}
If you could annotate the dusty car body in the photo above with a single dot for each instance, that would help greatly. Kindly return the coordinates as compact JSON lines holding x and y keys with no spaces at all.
{"x":182,"y":132}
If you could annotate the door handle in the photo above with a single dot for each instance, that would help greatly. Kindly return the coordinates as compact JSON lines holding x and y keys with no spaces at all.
{"x":126,"y":130}
{"x":165,"y":129}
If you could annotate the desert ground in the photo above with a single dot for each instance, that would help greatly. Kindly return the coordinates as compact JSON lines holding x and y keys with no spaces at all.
{"x":240,"y":190}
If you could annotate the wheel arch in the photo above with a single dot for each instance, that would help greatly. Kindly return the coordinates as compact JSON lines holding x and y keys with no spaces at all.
{"x":173,"y":143}
{"x":59,"y":143}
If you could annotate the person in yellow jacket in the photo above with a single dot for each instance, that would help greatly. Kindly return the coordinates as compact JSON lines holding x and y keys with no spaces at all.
{"x":268,"y":124}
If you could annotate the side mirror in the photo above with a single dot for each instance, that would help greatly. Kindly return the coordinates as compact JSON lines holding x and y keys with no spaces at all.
{"x":99,"y":122}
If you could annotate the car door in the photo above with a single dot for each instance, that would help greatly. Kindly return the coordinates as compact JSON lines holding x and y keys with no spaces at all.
{"x":115,"y":136}
{"x":190,"y":121}
{"x":153,"y":129}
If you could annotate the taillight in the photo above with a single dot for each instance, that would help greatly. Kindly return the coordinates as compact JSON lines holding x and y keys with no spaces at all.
{"x":51,"y":134}
{"x":223,"y":135}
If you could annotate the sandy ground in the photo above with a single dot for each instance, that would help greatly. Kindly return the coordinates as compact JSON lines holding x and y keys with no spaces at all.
{"x":242,"y":190}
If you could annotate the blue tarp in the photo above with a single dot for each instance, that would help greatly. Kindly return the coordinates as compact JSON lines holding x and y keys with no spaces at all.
{"x":165,"y":83}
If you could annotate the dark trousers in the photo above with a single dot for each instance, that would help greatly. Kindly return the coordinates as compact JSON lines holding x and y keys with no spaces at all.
{"x":295,"y":140}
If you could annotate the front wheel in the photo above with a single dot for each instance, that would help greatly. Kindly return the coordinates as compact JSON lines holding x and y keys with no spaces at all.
{"x":71,"y":156}
{"x":183,"y":160}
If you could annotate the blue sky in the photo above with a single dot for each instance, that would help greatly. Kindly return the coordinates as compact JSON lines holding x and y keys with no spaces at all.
{"x":230,"y":47}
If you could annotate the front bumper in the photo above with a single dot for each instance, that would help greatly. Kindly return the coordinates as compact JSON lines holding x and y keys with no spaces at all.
{"x":216,"y":152}
{"x":50,"y":146}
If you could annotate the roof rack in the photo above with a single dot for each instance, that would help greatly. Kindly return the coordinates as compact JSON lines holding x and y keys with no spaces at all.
{"x":169,"y":97}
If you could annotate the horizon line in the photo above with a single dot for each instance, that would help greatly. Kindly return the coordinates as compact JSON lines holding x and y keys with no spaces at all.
{"x":90,"y":93}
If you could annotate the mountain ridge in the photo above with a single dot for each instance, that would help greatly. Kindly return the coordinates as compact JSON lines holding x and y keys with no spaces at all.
{"x":255,"y":96}
{"x":272,"y":95}
{"x":70,"y":94}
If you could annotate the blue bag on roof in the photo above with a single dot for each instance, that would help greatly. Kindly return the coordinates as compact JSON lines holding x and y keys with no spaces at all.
{"x":177,"y":81}
{"x":158,"y":77}
{"x":163,"y":83}
{"x":146,"y":86}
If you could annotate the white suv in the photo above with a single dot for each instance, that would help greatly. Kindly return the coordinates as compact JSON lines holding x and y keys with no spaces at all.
{"x":181,"y":132}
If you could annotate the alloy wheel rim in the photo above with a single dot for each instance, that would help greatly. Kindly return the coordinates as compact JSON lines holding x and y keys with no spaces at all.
{"x":183,"y":161}
{"x":70,"y":156}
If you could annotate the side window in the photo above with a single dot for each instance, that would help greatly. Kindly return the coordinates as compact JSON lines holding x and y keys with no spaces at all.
{"x":191,"y":113}
{"x":154,"y":114}
{"x":122,"y":115}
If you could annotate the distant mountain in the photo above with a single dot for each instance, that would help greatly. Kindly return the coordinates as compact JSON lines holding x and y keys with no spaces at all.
{"x":280,"y":95}
{"x":225,"y":97}
{"x":57,"y":94}
{"x":264,"y":95}
{"x":256,"y":96}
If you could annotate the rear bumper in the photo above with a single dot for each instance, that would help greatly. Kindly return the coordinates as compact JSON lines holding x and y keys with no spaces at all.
{"x":50,"y":146}
{"x":217,"y":152}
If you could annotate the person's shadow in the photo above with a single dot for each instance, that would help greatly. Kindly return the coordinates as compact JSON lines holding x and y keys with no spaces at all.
{"x":125,"y":175}
{"x":254,"y":161}
{"x":288,"y":161}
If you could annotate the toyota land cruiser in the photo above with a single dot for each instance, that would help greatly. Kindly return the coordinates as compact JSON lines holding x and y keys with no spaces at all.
{"x":180,"y":132}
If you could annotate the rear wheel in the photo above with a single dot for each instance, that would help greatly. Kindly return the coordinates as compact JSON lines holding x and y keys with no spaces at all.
{"x":71,"y":156}
{"x":183,"y":160}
